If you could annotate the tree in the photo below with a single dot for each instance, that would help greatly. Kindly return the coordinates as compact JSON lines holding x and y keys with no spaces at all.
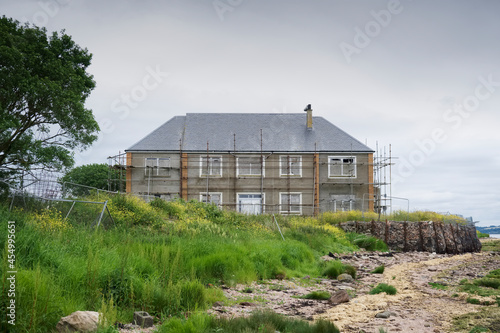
{"x":95,"y":175}
{"x":43,"y":88}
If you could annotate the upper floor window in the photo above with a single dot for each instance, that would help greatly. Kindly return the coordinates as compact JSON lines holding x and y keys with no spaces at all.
{"x":155,"y":166}
{"x":341,"y":166}
{"x":210,"y":166}
{"x":290,"y":165}
{"x":249,"y":166}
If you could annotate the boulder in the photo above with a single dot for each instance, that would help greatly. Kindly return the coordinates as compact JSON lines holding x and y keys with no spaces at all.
{"x":143,"y":319}
{"x":79,"y":321}
{"x":339,"y":297}
{"x":345,"y":278}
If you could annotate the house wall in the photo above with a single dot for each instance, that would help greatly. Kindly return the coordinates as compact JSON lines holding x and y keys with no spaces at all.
{"x":332,"y":191}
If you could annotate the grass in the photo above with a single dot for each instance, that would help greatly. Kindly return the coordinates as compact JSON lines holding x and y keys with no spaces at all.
{"x":383,"y":288}
{"x":260,"y":321}
{"x":335,"y":268}
{"x":317,"y":295}
{"x":378,"y":270}
{"x":400,"y":215}
{"x":492,"y":245}
{"x":482,"y":234}
{"x":438,"y":286}
{"x":166,"y":258}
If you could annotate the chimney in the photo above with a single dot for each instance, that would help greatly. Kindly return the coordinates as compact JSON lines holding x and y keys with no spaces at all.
{"x":309,"y":121}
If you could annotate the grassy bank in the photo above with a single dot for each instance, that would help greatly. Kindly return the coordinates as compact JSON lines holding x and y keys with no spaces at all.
{"x":163,"y":258}
{"x":168,"y":259}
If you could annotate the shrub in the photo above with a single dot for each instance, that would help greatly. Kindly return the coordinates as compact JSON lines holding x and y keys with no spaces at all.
{"x":333,"y":270}
{"x":366,"y":242}
{"x":383,"y":288}
{"x":488,"y":282}
{"x":318,"y":295}
{"x":473,"y":301}
{"x":351,"y":270}
{"x":378,"y":270}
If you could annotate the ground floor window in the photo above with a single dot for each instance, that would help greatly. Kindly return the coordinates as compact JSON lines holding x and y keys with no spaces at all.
{"x":290,"y":203}
{"x":213,"y":198}
{"x":250,"y":203}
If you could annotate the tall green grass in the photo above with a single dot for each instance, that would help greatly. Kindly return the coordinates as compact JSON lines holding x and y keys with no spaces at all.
{"x":159,"y":258}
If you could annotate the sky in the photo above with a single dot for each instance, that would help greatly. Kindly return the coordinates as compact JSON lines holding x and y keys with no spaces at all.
{"x":418,"y":78}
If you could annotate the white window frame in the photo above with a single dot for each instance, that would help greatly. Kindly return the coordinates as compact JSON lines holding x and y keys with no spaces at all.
{"x":290,"y":174}
{"x":263,"y":200}
{"x":202,"y":194}
{"x":203,"y":164}
{"x":282,"y":205}
{"x":238,"y":173}
{"x":343,"y":165}
{"x":155,"y":165}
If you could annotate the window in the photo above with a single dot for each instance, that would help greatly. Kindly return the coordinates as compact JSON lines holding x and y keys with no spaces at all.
{"x":340,"y":166}
{"x":163,"y":166}
{"x":213,"y":198}
{"x":210,"y":166}
{"x":249,"y":166}
{"x":291,"y":203}
{"x":290,"y":165}
{"x":250,"y":203}
{"x":157,"y":166}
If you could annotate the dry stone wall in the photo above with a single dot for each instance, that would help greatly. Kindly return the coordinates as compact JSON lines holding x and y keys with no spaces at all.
{"x":431,"y":236}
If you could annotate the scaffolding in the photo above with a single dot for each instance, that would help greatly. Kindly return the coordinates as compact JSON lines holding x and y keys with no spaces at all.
{"x":267,"y":182}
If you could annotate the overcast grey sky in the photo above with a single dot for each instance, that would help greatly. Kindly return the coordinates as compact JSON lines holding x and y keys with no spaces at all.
{"x":423,"y":76}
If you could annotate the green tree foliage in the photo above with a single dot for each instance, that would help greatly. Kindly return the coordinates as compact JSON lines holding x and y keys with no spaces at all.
{"x":43,"y":88}
{"x":100,"y":176}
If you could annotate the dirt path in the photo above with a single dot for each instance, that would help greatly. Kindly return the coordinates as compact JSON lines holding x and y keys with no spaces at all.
{"x":417,"y":307}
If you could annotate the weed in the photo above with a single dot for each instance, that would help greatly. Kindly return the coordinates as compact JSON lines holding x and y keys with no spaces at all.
{"x":488,"y":282}
{"x":383,"y":288}
{"x":378,"y":270}
{"x":438,"y":286}
{"x":318,"y":295}
{"x":473,"y":301}
{"x":334,"y":269}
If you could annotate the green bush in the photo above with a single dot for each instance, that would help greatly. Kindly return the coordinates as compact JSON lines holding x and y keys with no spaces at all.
{"x":383,"y":288}
{"x":488,"y":282}
{"x":366,"y":242}
{"x":333,"y":269}
{"x":319,"y":295}
{"x":351,"y":270}
{"x":378,"y":270}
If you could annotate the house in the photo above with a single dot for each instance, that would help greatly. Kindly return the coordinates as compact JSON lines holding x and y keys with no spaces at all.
{"x":287,"y":163}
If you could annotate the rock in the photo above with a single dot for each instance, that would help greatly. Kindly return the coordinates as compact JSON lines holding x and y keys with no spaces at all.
{"x":79,"y":321}
{"x":143,"y":319}
{"x":385,"y":314}
{"x":432,"y":269}
{"x":339,"y":297}
{"x":246,"y":304}
{"x":345,"y":278}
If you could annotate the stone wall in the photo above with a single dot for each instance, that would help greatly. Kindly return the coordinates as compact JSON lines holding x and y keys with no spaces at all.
{"x":420,"y":236}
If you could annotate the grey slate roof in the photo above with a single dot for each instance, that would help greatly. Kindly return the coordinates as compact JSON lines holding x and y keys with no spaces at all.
{"x":281,"y":132}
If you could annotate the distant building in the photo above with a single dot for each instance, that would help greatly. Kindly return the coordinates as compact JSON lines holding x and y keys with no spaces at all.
{"x":287,"y":163}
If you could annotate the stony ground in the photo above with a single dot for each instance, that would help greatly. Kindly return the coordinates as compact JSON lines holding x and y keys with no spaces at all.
{"x":417,"y":307}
